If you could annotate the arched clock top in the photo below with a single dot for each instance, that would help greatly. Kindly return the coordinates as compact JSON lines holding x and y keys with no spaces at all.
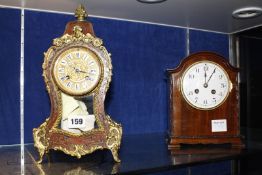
{"x":203,"y":55}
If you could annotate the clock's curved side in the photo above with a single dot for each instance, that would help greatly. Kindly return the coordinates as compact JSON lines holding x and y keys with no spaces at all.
{"x":107,"y":133}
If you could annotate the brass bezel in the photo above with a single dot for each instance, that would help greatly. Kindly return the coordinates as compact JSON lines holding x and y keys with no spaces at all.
{"x":70,"y":92}
{"x":227,"y":77}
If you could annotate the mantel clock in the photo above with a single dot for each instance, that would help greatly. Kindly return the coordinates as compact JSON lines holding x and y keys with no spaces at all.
{"x":77,"y":71}
{"x":204,"y":101}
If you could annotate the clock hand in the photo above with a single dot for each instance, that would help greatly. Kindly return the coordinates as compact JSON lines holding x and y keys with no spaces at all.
{"x":205,"y":75}
{"x":70,"y":65}
{"x":78,"y":70}
{"x":211,"y":75}
{"x":75,"y":69}
{"x":65,"y":77}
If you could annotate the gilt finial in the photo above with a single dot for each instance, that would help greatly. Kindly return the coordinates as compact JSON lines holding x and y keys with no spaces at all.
{"x":80,"y":13}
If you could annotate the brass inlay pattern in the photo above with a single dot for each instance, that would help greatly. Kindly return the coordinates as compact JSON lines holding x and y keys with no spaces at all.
{"x":88,"y":38}
{"x":40,"y":141}
{"x":114,"y":137}
{"x":112,"y":130}
{"x":79,"y":150}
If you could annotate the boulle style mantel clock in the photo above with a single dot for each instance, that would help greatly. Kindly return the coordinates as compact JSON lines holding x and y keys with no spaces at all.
{"x":204,"y":102}
{"x":77,"y":71}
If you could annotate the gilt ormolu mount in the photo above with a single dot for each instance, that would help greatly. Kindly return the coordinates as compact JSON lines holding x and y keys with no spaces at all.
{"x":77,"y":71}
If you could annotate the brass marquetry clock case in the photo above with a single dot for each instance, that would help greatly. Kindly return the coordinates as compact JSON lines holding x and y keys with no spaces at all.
{"x":77,"y":71}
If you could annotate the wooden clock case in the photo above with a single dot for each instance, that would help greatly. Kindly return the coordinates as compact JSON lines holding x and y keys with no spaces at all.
{"x":189,"y":125}
{"x":108,"y":133}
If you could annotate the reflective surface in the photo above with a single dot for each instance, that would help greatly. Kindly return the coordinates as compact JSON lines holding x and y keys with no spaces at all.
{"x":77,"y":114}
{"x":139,"y":154}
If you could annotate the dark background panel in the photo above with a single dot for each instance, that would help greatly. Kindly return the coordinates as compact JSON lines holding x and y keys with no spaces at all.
{"x":141,"y":53}
{"x":10,"y":76}
{"x":40,"y":30}
{"x":209,"y":41}
{"x":250,"y":43}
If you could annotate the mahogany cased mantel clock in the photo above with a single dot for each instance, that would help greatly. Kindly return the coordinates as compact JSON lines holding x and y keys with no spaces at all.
{"x":77,"y":71}
{"x":204,"y":102}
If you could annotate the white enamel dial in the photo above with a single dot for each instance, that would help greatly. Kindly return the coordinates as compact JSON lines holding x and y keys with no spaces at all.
{"x":205,"y":85}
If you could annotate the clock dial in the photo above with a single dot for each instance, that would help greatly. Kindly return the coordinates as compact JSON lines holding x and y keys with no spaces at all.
{"x":205,"y":85}
{"x":77,"y":71}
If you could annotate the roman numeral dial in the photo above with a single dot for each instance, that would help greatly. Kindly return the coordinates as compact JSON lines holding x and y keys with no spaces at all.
{"x":77,"y":71}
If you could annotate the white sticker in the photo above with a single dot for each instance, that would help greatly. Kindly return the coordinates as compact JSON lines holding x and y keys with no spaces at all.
{"x":219,"y":125}
{"x":76,"y":121}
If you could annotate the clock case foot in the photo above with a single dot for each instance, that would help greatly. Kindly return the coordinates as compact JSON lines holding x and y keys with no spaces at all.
{"x":178,"y":142}
{"x":108,"y":140}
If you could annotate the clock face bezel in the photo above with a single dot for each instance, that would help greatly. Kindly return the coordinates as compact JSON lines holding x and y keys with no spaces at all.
{"x":229,"y":87}
{"x":60,"y":56}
